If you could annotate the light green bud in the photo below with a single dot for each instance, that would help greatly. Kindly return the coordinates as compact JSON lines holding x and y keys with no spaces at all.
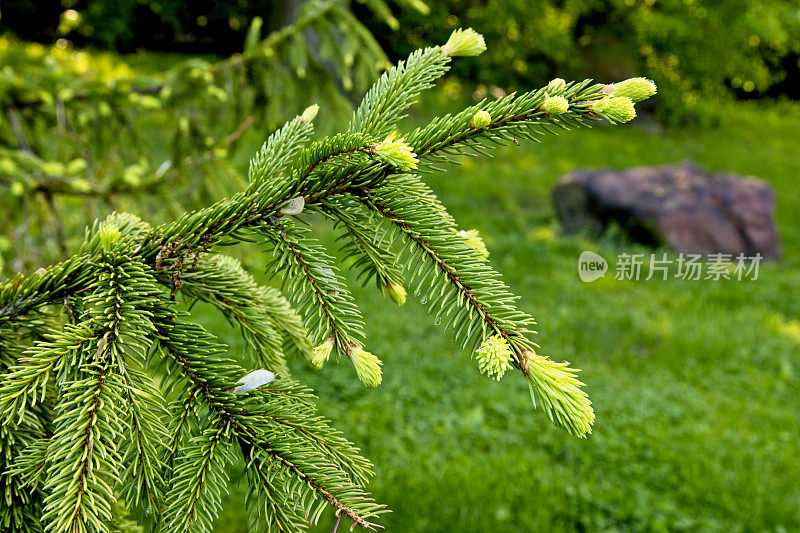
{"x":637,"y":89}
{"x":555,"y":105}
{"x":76,"y":166}
{"x":396,"y":292}
{"x":309,"y":113}
{"x":322,"y":353}
{"x":556,"y":86}
{"x":464,"y":43}
{"x":217,"y":92}
{"x":396,"y":152}
{"x":109,"y":236}
{"x":615,"y":109}
{"x":481,"y":119}
{"x":494,"y":357}
{"x":368,"y":366}
{"x":17,"y":188}
{"x":473,"y":239}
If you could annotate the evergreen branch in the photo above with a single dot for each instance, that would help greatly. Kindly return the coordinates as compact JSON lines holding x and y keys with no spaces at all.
{"x":398,"y":89}
{"x":24,"y":294}
{"x":513,"y":114}
{"x":476,"y":310}
{"x":280,"y":148}
{"x":84,"y":452}
{"x":249,"y":295}
{"x":319,"y":294}
{"x":20,"y":490}
{"x":295,"y":461}
{"x":25,"y":383}
{"x":185,"y":408}
{"x":270,"y":508}
{"x":195,"y":499}
{"x":266,"y":456}
{"x":321,"y":152}
{"x":250,"y":418}
{"x":30,"y":465}
{"x":479,"y":306}
{"x":365,"y":242}
{"x":83,"y":458}
{"x":143,"y":480}
{"x":20,"y":494}
{"x":222,"y":282}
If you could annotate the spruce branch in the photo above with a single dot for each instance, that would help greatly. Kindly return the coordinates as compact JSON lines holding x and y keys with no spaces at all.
{"x":328,"y":461}
{"x":195,"y":498}
{"x":365,"y":242}
{"x":383,"y":105}
{"x":142,"y":483}
{"x":83,"y":457}
{"x":84,"y":453}
{"x":105,"y":440}
{"x":316,"y":290}
{"x":264,"y":317}
{"x":25,"y":384}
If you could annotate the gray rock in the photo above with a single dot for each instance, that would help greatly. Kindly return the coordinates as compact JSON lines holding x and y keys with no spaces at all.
{"x":681,"y":206}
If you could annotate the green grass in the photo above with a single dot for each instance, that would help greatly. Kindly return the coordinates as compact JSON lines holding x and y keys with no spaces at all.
{"x":694,"y":382}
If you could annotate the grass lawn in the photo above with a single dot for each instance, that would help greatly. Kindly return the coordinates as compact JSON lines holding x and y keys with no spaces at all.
{"x":695,"y":383}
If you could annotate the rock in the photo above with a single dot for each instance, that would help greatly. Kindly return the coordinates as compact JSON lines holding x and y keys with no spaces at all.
{"x":684,"y":207}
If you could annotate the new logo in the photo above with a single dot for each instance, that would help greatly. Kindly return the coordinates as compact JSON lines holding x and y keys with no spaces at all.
{"x":591,"y":266}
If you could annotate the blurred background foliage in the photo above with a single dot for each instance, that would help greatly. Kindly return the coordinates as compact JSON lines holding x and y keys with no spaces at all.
{"x":156,"y":107}
{"x":755,"y":46}
{"x":154,"y":132}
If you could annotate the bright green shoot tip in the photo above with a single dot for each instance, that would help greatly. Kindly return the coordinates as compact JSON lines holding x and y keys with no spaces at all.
{"x":396,"y":152}
{"x":555,"y":105}
{"x":494,"y":357}
{"x":368,"y":366}
{"x":555,"y":388}
{"x":464,"y":43}
{"x":615,"y":109}
{"x":637,"y":89}
{"x":309,"y":113}
{"x":322,"y":353}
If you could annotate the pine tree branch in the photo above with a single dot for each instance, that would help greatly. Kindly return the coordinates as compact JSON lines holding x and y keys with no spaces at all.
{"x":222,"y":282}
{"x":176,"y":338}
{"x":25,"y":383}
{"x":314,"y":285}
{"x":364,"y":243}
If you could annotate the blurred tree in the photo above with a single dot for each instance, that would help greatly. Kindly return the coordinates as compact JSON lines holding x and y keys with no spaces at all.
{"x":200,"y":26}
{"x":91,"y":133}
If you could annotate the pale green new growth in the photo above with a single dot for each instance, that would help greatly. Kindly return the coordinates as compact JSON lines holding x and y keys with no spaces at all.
{"x":481,"y":119}
{"x":368,"y":366}
{"x":321,"y":353}
{"x":556,"y":86}
{"x":396,"y":292}
{"x":615,"y":109}
{"x":637,"y":89}
{"x":494,"y":357}
{"x":473,"y":238}
{"x":109,"y":235}
{"x":309,"y":113}
{"x":396,"y":153}
{"x":117,"y":408}
{"x":464,"y":43}
{"x":554,"y":386}
{"x":555,"y":105}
